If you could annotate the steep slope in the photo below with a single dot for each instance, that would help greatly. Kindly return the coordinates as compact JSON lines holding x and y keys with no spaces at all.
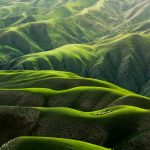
{"x":125,"y":61}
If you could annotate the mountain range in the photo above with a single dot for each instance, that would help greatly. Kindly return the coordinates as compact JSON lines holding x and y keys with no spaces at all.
{"x":74,"y":72}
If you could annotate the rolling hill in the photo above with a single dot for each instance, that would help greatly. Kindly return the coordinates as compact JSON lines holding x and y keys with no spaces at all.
{"x":37,"y":106}
{"x":30,"y":143}
{"x":39,"y":89}
{"x":111,"y":127}
{"x":74,"y":74}
{"x":123,"y":60}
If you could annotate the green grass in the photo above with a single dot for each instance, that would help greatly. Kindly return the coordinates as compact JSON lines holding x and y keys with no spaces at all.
{"x":47,"y":79}
{"x":106,"y":118}
{"x":40,"y":143}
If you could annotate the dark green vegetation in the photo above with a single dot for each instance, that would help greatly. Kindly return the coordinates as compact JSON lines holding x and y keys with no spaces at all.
{"x":76,"y":108}
{"x":108,"y":127}
{"x":114,"y":60}
{"x":59,"y":110}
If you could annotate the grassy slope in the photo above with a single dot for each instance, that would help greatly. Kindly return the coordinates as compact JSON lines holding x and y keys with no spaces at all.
{"x":73,"y":58}
{"x":109,"y":127}
{"x":114,"y":60}
{"x":38,"y":88}
{"x":122,"y":127}
{"x":124,"y":61}
{"x":40,"y":143}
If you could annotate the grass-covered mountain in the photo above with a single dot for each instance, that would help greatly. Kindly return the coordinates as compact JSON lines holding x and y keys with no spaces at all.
{"x":71,"y":74}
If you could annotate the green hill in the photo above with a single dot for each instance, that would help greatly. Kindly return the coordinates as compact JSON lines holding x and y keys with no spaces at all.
{"x":124,"y":61}
{"x":112,"y":127}
{"x":55,"y":35}
{"x":47,"y":79}
{"x":108,"y":118}
{"x":114,"y":60}
{"x":38,"y":88}
{"x":40,"y":143}
{"x":71,"y":72}
{"x":64,"y":58}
